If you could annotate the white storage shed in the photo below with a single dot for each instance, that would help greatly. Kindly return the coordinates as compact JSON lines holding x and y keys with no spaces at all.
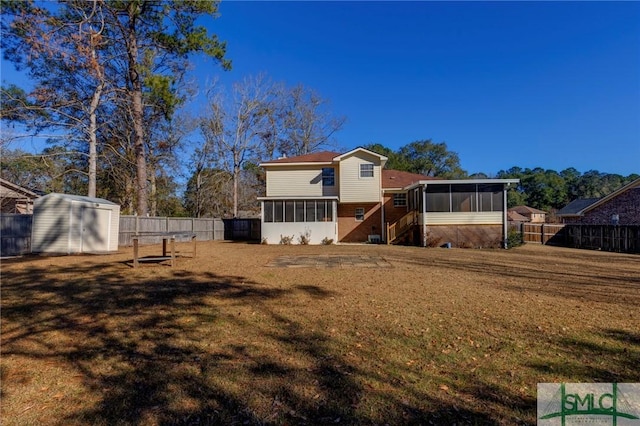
{"x":65,"y":223}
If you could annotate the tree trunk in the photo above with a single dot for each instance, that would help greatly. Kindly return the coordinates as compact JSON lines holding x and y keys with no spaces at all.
{"x":137,"y":115}
{"x":153,"y":186}
{"x":93,"y":142}
{"x":236,"y":178}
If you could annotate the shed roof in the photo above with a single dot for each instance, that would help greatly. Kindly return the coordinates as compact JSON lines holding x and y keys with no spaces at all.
{"x":79,"y":198}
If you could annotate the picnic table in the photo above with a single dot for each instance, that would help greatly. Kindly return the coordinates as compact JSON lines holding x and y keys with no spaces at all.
{"x":166,"y":236}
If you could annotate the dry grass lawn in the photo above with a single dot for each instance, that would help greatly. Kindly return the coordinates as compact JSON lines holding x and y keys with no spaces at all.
{"x":439,"y":337}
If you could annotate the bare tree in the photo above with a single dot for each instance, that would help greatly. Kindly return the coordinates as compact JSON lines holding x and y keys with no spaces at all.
{"x":307,"y":124}
{"x":233,"y":129}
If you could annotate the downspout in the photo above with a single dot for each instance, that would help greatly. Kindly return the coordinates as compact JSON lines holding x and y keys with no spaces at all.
{"x":424,"y":216}
{"x":383,"y":227}
{"x":504,"y":216}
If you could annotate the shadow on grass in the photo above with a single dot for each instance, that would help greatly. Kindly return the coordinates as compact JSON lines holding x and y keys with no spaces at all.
{"x":608,"y":356}
{"x":597,"y":281}
{"x":152,"y":350}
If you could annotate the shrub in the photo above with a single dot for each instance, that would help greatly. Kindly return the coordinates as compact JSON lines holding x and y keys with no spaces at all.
{"x":514,"y":239}
{"x":264,"y":241}
{"x":305,"y":238}
{"x":286,"y":240}
{"x":326,"y":241}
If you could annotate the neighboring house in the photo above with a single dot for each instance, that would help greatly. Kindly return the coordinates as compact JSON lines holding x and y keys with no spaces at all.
{"x":516,"y":217}
{"x":621,"y":207}
{"x":350,"y":197}
{"x":533,"y":215}
{"x":15,"y":198}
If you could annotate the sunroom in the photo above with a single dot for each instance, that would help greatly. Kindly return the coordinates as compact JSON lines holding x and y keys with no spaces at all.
{"x":462,"y":212}
{"x":310,"y":220}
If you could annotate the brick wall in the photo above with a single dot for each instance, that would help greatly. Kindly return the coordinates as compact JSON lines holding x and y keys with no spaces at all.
{"x":465,"y":236}
{"x":625,"y":205}
{"x":392,"y":214}
{"x":352,"y":231}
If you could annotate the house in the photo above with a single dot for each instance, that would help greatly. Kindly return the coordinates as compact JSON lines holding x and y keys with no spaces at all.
{"x":621,"y":207}
{"x":513,"y":216}
{"x":350,"y":197}
{"x":532,"y":215}
{"x":15,"y":198}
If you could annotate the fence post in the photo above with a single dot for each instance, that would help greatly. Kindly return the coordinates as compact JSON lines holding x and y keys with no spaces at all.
{"x":542,"y":234}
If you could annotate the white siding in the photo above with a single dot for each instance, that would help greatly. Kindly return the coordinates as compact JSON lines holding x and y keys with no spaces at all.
{"x":273,"y":231}
{"x":354,"y":189}
{"x":50,"y":230}
{"x":73,"y":224}
{"x":298,"y":181}
{"x":479,"y":218}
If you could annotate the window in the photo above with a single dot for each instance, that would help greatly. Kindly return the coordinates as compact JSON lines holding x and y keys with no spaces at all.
{"x":359,"y":214}
{"x":288,"y":211}
{"x":463,"y":198}
{"x":438,"y":198}
{"x":328,"y":176}
{"x":490,"y":198}
{"x":268,"y":211}
{"x":310,"y":208}
{"x":366,"y":170}
{"x":399,"y":200}
{"x":299,"y":211}
{"x":277,"y":211}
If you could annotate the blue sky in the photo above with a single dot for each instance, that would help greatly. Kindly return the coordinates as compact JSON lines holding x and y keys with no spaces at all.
{"x":528,"y":84}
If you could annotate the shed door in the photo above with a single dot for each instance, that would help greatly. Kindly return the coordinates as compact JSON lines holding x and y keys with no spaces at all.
{"x":95,"y":229}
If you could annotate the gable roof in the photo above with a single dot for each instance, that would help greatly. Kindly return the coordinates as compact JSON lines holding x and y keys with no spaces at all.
{"x":614,"y":194}
{"x":580,"y":206}
{"x":516,"y":217}
{"x":383,"y":159}
{"x":11,"y":190}
{"x":576,"y":206}
{"x":524,"y":210}
{"x":324,"y":157}
{"x":398,"y":179}
{"x":315,"y":157}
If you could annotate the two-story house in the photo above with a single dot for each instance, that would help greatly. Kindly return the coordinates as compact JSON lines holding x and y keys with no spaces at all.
{"x":350,"y":197}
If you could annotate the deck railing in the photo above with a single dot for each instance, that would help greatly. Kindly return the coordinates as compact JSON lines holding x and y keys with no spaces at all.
{"x":401,"y":226}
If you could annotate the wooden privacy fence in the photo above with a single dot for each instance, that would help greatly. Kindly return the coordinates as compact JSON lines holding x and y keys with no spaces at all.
{"x":242,"y":229}
{"x":619,"y":238}
{"x":205,"y":229}
{"x":542,"y":233}
{"x":15,"y":234}
{"x":15,"y":230}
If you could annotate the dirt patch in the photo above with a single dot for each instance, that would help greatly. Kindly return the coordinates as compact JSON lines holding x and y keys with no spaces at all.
{"x":441,"y":336}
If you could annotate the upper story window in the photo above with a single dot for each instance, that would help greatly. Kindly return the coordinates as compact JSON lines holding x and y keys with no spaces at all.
{"x":328,"y":176}
{"x":400,"y":200}
{"x":366,"y":170}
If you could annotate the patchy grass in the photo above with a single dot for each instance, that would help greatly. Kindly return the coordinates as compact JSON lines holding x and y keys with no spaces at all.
{"x":442,"y":337}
